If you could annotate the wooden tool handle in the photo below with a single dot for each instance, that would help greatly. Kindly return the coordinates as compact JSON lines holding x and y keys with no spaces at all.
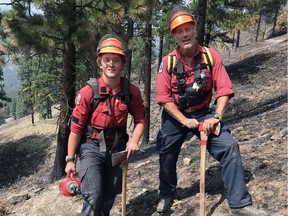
{"x":124,"y":184}
{"x":202,"y":180}
{"x":203,"y":147}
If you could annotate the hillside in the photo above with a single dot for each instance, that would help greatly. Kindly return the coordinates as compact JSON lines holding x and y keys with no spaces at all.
{"x":257,"y":116}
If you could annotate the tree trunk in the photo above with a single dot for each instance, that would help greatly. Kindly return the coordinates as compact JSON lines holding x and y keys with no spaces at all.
{"x":264,"y":31}
{"x":130,"y":30}
{"x":48,"y":109}
{"x":202,"y":6}
{"x":258,"y":26}
{"x":147,"y":77}
{"x":237,"y":39}
{"x":32,"y":114}
{"x":233,"y":43}
{"x":66,"y":105}
{"x":67,"y":94}
{"x":275,"y":21}
{"x":160,"y":48}
{"x":32,"y":105}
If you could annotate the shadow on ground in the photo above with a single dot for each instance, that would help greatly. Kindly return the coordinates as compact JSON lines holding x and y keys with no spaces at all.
{"x":22,"y":157}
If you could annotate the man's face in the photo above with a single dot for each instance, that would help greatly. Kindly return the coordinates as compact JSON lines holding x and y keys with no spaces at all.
{"x":185,"y":36}
{"x":111,"y":64}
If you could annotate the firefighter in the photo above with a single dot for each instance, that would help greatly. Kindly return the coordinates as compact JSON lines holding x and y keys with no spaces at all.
{"x":104,"y":130}
{"x":186,"y":94}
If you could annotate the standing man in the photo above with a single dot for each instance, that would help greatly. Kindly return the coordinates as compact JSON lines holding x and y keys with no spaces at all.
{"x":185,"y":94}
{"x":104,"y":130}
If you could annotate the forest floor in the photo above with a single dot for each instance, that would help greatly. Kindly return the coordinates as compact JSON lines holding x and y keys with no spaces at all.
{"x":257,"y":117}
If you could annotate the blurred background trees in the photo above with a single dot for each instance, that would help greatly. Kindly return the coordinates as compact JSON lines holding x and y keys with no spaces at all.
{"x":53,"y":44}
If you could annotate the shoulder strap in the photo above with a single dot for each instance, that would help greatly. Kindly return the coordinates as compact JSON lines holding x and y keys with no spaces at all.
{"x":93,"y":83}
{"x":171,"y":64}
{"x":197,"y":68}
{"x":125,"y":91}
{"x":208,"y":59}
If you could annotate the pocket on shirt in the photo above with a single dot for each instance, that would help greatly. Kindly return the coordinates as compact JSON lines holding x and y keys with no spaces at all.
{"x":100,"y":117}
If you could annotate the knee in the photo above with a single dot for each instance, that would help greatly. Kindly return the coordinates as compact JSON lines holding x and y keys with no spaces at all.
{"x":233,"y":148}
{"x":228,"y":150}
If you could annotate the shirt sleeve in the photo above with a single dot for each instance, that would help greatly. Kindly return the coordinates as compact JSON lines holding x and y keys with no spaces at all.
{"x":163,"y":84}
{"x":137,"y":105}
{"x":221,"y":81}
{"x":81,"y":110}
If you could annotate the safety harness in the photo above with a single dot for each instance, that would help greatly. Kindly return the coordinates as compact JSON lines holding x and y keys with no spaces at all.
{"x":111,"y":135}
{"x":191,"y":94}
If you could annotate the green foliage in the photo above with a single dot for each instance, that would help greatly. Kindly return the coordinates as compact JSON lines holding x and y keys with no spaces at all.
{"x":40,"y":80}
{"x":4,"y":113}
{"x":229,"y":16}
{"x":3,"y":96}
{"x":23,"y":107}
{"x":161,"y":23}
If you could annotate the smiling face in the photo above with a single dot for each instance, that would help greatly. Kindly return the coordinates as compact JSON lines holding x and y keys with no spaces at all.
{"x":185,"y":37}
{"x":111,"y":64}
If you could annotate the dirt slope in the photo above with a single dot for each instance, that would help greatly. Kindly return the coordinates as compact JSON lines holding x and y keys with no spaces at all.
{"x":257,"y":117}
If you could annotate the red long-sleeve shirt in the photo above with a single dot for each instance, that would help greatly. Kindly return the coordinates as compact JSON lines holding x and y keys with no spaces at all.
{"x":217,"y":79}
{"x":101,"y":118}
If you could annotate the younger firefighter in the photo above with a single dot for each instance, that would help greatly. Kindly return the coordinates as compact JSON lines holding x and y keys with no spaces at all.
{"x":186,"y":94}
{"x":104,"y":130}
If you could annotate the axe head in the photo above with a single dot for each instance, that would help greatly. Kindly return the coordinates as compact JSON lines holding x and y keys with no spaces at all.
{"x":217,"y":129}
{"x":119,"y":157}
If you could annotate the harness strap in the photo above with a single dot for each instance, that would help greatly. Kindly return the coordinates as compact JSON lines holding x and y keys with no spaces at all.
{"x":197,"y":61}
{"x":116,"y":143}
{"x":208,"y":59}
{"x":108,"y":134}
{"x":208,"y":62}
{"x":171,"y":64}
{"x":102,"y":143}
{"x":180,"y":77}
{"x":125,"y":92}
{"x":93,"y":83}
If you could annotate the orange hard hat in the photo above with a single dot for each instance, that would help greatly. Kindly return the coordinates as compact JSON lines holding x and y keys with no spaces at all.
{"x":180,"y":18}
{"x":111,"y":45}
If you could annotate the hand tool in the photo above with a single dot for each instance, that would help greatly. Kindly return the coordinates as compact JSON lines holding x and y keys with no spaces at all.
{"x":203,"y":147}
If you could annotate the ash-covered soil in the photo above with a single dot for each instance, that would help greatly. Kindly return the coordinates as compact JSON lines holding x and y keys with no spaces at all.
{"x":257,"y":116}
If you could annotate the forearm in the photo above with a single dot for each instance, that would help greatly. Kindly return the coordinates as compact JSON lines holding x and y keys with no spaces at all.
{"x":137,"y":133}
{"x":133,"y":145}
{"x":73,"y":142}
{"x":173,"y":110}
{"x":222,"y":103}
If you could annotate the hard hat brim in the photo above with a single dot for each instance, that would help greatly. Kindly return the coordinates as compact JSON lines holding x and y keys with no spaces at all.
{"x":110,"y":50}
{"x":181,"y":19}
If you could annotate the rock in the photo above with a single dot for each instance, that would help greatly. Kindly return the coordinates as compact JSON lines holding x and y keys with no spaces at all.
{"x":187,"y":161}
{"x":18,"y":198}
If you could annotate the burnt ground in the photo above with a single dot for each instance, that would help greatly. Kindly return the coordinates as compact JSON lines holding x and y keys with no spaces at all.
{"x":257,"y":117}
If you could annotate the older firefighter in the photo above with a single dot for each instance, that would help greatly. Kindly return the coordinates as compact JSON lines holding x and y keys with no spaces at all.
{"x":104,"y":130}
{"x":186,"y":94}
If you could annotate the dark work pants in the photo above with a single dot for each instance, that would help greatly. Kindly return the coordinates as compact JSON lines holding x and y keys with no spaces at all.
{"x":100,"y":182}
{"x":223,"y":148}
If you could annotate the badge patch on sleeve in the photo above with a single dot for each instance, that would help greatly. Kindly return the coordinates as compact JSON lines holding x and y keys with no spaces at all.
{"x":161,"y":67}
{"x":78,"y":99}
